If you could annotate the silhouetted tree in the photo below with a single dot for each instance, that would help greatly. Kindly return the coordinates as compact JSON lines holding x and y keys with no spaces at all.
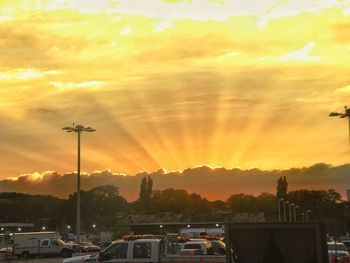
{"x":99,"y":206}
{"x":239,"y":203}
{"x":149,"y":188}
{"x":143,"y":189}
{"x":144,"y":202}
{"x":104,"y":206}
{"x":178,"y":201}
{"x":323,"y":204}
{"x":282,"y":187}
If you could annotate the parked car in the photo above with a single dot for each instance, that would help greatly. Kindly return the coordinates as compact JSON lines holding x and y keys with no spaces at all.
{"x":6,"y":253}
{"x":74,"y":245}
{"x":198,"y":247}
{"x":218,"y":247}
{"x":337,"y":252}
{"x":346,"y":243}
{"x":88,"y":247}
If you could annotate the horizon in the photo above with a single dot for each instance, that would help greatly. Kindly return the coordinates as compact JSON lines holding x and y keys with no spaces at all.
{"x":217,"y":183}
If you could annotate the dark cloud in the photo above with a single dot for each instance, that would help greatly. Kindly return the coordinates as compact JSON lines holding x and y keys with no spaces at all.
{"x":214,"y":183}
{"x":41,"y":111}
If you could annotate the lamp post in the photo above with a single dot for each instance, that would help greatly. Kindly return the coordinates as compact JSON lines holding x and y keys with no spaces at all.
{"x":307,"y":214}
{"x":346,"y":114}
{"x":295,"y":212}
{"x":285,"y":212}
{"x":291,"y":206}
{"x":279,"y":209}
{"x":78,"y":129}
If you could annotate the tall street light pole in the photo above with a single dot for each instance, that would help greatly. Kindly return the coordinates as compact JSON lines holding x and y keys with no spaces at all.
{"x":284,"y":210}
{"x":279,"y":208}
{"x":346,"y":114}
{"x":291,"y":206}
{"x":78,"y":129}
{"x":295,"y":212}
{"x":307,"y":214}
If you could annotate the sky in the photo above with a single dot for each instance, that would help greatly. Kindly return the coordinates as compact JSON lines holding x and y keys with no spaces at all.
{"x":172,"y":84}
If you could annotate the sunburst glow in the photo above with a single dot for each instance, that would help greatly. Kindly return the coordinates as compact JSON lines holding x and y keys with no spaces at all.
{"x":173,"y":84}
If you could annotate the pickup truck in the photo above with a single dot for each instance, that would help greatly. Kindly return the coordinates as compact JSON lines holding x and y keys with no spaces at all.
{"x":26,"y":245}
{"x":146,"y":250}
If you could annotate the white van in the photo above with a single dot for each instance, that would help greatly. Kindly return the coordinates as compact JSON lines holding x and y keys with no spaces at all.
{"x":32,"y":244}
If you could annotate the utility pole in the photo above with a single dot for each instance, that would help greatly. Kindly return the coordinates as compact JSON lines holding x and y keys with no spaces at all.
{"x":78,"y":129}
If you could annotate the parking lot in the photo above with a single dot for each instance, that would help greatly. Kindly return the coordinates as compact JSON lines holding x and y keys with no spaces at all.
{"x":40,"y":260}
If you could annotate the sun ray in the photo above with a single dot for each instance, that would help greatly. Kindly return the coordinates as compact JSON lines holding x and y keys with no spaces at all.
{"x":173,"y":84}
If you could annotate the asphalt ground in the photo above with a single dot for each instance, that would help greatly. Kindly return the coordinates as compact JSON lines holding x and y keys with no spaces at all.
{"x":39,"y":260}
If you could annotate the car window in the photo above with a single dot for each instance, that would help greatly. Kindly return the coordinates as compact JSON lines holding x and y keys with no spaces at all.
{"x":45,"y":243}
{"x":54,"y":243}
{"x":142,"y":250}
{"x":119,"y":250}
{"x":339,"y":247}
{"x":346,"y":243}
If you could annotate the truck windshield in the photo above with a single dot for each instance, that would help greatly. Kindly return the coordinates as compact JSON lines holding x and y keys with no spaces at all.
{"x":118,"y":250}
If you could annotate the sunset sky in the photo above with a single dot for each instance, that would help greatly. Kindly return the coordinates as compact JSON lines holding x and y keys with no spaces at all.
{"x":173,"y":84}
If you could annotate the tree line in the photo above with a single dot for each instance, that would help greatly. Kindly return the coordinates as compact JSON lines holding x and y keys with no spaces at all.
{"x":104,"y":207}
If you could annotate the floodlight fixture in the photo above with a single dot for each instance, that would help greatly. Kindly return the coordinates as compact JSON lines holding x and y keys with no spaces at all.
{"x":344,"y":115}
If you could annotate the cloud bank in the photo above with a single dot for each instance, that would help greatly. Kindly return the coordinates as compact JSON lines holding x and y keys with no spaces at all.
{"x":213,"y":183}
